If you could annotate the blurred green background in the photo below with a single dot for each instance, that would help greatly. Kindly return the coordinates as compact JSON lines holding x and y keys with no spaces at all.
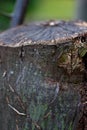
{"x":38,"y":10}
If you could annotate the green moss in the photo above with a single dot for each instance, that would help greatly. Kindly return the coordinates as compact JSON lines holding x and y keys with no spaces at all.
{"x":82,"y":51}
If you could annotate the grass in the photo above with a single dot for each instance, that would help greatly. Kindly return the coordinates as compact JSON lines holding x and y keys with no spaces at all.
{"x":53,"y":9}
{"x":40,"y":10}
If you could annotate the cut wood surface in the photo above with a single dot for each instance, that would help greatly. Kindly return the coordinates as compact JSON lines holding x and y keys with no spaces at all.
{"x":42,"y":68}
{"x":49,"y":33}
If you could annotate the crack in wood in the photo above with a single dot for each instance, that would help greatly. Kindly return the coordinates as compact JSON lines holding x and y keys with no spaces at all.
{"x":22,"y":53}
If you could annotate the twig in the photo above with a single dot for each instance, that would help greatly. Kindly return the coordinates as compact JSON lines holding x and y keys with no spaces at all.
{"x":11,"y":88}
{"x":45,"y":116}
{"x":4,"y":74}
{"x":17,"y":128}
{"x":7,"y":99}
{"x":56,"y":93}
{"x":36,"y":125}
{"x":19,"y":113}
{"x":18,"y":96}
{"x":84,"y":103}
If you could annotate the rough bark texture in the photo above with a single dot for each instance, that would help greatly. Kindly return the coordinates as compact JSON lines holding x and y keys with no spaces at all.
{"x":41,"y":73}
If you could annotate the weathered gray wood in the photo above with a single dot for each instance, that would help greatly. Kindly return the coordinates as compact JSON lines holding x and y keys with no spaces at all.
{"x":40,"y":75}
{"x":50,"y":33}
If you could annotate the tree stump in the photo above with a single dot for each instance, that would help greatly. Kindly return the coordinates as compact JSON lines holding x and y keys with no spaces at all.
{"x":43,"y":76}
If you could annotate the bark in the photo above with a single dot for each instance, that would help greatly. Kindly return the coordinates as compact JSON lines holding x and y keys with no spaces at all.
{"x":41,"y":75}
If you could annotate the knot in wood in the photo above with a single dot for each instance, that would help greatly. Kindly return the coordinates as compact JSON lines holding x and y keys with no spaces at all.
{"x":51,"y":23}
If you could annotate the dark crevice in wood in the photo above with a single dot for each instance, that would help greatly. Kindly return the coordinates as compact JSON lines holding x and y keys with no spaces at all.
{"x":22,"y":53}
{"x":82,"y":125}
{"x":84,"y":60}
{"x":83,"y":39}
